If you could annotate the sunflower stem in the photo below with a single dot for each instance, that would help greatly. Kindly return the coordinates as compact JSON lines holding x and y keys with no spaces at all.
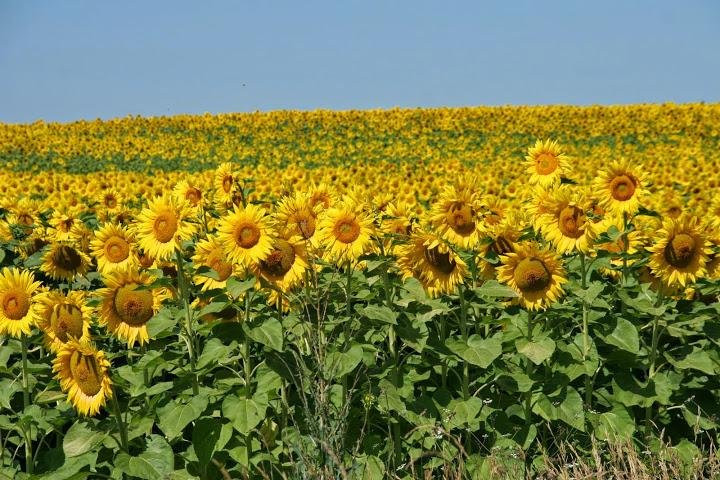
{"x":247,"y":370}
{"x":25,"y":379}
{"x":586,"y":334}
{"x":528,"y":372}
{"x":122,"y":427}
{"x":182,"y":288}
{"x":653,"y":358}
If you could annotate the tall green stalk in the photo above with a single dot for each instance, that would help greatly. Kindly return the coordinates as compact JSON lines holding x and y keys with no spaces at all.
{"x":529,"y":371}
{"x":653,"y":358}
{"x":26,"y":404}
{"x":189,"y":332}
{"x":122,"y":427}
{"x":586,"y":334}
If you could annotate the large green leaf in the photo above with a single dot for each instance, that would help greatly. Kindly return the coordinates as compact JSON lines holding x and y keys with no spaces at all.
{"x":80,"y":439}
{"x":492,"y":289}
{"x":380,"y":313}
{"x":538,"y":350}
{"x":699,"y":360}
{"x":477,"y":351}
{"x":205,"y":436}
{"x":624,"y":336}
{"x":569,"y":408}
{"x":213,"y":351}
{"x":244,"y":413}
{"x":338,"y":364}
{"x":175,"y":416}
{"x":156,"y":462}
{"x":615,"y":425}
{"x":269,"y":333}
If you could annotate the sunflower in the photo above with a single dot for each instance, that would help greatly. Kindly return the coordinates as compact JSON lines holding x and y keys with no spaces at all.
{"x":285,"y":265}
{"x":396,"y":224}
{"x":24,"y":214}
{"x":620,"y":188}
{"x":431,"y":261}
{"x":83,"y":373}
{"x":125,"y":308}
{"x":63,"y":317}
{"x":224,"y":184}
{"x":501,"y":239}
{"x":494,"y":210}
{"x":210,"y":253}
{"x":18,"y":305}
{"x":162,"y":226}
{"x":346,"y":232}
{"x":680,"y":251}
{"x":64,"y":224}
{"x":188,"y":194}
{"x":456,"y":217}
{"x":111,"y":201}
{"x":321,"y":196}
{"x":64,"y":261}
{"x":246,"y":235}
{"x":566,"y":224}
{"x":536,"y":275}
{"x":113,"y":248}
{"x":546,"y":163}
{"x":296,"y":215}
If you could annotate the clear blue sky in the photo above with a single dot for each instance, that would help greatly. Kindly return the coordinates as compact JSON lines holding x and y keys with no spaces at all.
{"x":67,"y":60}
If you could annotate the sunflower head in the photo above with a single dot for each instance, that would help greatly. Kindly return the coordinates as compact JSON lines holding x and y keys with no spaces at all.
{"x":64,"y":261}
{"x":18,"y":306}
{"x":245,"y":234}
{"x":546,"y":163}
{"x":210,"y":253}
{"x":83,"y":373}
{"x":565,"y":222}
{"x":680,"y":251}
{"x":536,"y":275}
{"x":620,"y":188}
{"x":63,"y":317}
{"x":456,"y":217}
{"x":346,"y":232}
{"x":162,"y":226}
{"x":113,"y":248}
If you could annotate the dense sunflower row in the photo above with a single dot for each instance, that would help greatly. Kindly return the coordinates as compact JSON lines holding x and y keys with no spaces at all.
{"x":409,"y":154}
{"x":463,"y":238}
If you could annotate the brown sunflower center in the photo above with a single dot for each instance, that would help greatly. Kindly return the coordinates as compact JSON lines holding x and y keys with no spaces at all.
{"x":622,"y":187}
{"x":546,"y":163}
{"x":460,"y":217}
{"x":440,"y":260}
{"x":66,"y":224}
{"x":680,"y":251}
{"x":674,"y":211}
{"x":215,"y":260}
{"x":531,"y":275}
{"x":306,"y":225}
{"x":117,"y":249}
{"x":25,"y":219}
{"x":146,"y":260}
{"x":15,"y":304}
{"x":227,"y":183}
{"x":571,"y":222}
{"x":247,"y":235}
{"x":193,"y":195}
{"x":347,"y":230}
{"x":280,"y":260}
{"x":86,"y":373}
{"x":67,"y":258}
{"x":66,"y":319}
{"x":134,"y":307}
{"x":110,"y":201}
{"x":501,"y":246}
{"x":165,"y":226}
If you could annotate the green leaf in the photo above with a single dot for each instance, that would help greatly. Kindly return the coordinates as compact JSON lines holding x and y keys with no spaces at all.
{"x":212,"y":353}
{"x":154,"y":463}
{"x":624,"y":336}
{"x":269,"y":333}
{"x":477,"y":351}
{"x":569,"y":409}
{"x":372,"y":468}
{"x":537,"y":351}
{"x":244,"y":413}
{"x":237,"y":287}
{"x":163,"y":321}
{"x":380,"y":313}
{"x":699,"y":360}
{"x":613,"y":426}
{"x":493,"y":289}
{"x":205,"y":436}
{"x":338,"y":364}
{"x":175,"y":416}
{"x":80,"y":439}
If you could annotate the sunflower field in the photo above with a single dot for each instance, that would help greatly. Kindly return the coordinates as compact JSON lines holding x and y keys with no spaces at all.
{"x":423,"y":293}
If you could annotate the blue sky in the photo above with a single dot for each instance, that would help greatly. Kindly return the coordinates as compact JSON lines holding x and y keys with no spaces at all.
{"x":62,"y":61}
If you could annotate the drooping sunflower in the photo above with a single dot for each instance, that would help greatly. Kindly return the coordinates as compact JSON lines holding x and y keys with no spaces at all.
{"x":246,"y":235}
{"x":162,"y":226}
{"x":64,"y":261}
{"x":455,"y":216}
{"x":18,"y":305}
{"x":500,"y":240}
{"x":113,"y":248}
{"x":188,"y":194}
{"x":430,"y":260}
{"x":64,"y":224}
{"x":296,"y":215}
{"x":224,"y":184}
{"x":546,"y":163}
{"x":535,"y":274}
{"x":63,"y":317}
{"x":620,"y":188}
{"x":285,"y":265}
{"x":680,"y":251}
{"x":210,"y":253}
{"x":397,"y":224}
{"x":83,"y":373}
{"x":345,"y":231}
{"x":126,"y":308}
{"x":566,"y":224}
